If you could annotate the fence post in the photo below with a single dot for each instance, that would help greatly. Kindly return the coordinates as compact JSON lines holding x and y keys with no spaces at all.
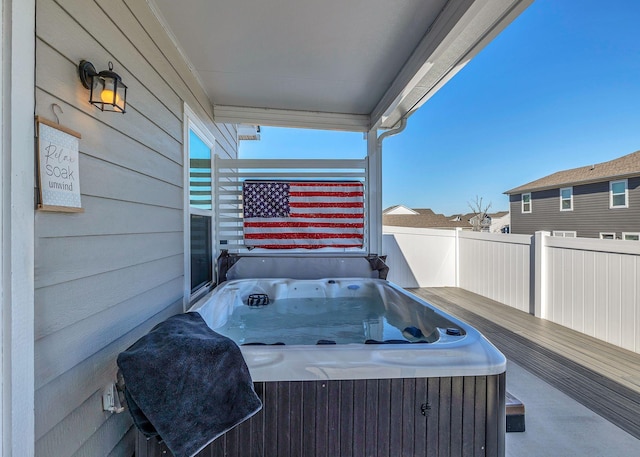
{"x":457,"y":256}
{"x":539,"y":269}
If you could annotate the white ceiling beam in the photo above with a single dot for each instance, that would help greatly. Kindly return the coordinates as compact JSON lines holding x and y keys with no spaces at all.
{"x":421,"y":60}
{"x":462,"y":29}
{"x":291,"y":118}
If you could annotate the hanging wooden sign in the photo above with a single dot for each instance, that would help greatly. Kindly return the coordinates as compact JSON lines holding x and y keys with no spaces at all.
{"x":58,"y":171}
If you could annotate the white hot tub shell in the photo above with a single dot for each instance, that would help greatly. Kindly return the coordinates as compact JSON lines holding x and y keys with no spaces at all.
{"x":467,"y":354}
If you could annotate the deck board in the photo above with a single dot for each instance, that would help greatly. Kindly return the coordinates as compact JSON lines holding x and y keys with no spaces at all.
{"x":601,"y":376}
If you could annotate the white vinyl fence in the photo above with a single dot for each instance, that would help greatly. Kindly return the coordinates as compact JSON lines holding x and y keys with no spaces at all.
{"x":592,"y":286}
{"x":420,"y":257}
{"x":496,"y":266}
{"x":589,"y":285}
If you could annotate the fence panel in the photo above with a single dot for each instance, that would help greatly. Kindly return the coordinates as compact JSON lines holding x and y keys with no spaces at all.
{"x":497,"y":266}
{"x":592,"y":287}
{"x":420,"y":257}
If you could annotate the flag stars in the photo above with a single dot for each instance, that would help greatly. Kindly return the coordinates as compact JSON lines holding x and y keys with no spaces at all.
{"x":266,"y":199}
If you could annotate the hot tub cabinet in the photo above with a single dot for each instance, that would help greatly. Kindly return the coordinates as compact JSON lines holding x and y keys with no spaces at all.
{"x":442,"y":394}
{"x":444,"y":416}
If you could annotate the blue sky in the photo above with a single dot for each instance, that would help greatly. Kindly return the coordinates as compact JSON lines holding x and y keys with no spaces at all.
{"x":558,"y":89}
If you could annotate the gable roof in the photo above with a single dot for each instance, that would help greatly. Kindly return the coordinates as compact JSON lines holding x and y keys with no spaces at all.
{"x":399,"y":209}
{"x":622,"y":167}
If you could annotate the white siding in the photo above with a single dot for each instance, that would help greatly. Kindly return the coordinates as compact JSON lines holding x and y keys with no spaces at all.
{"x":104,"y":277}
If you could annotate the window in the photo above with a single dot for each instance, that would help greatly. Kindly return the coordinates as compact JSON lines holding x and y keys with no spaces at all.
{"x":565,"y":233}
{"x":199,"y":144}
{"x":526,"y":203}
{"x":631,"y":236}
{"x":201,"y":251}
{"x":618,"y":194}
{"x":566,"y":199}
{"x":607,"y":236}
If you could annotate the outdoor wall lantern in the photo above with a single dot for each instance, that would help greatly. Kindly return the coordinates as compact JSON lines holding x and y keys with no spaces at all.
{"x":108,"y":92}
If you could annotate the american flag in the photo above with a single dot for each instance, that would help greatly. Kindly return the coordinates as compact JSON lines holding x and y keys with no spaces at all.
{"x":310,"y":215}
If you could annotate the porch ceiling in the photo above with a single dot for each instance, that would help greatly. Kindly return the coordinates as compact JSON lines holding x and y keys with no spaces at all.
{"x":335,"y":64}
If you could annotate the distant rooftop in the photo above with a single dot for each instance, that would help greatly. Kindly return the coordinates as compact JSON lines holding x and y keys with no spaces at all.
{"x":402,"y":216}
{"x":622,"y":167}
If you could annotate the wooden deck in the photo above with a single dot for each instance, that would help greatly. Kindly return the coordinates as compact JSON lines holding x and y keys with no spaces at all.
{"x":601,"y":376}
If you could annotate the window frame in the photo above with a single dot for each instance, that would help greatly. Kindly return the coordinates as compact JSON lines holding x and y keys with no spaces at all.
{"x":626,"y":193}
{"x":564,"y":233}
{"x":530,"y":203}
{"x":605,"y":235}
{"x":562,"y":199}
{"x":625,"y":234}
{"x":193,"y":123}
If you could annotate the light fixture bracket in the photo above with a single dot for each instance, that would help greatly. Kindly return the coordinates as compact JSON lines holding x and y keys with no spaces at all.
{"x":86,"y":71}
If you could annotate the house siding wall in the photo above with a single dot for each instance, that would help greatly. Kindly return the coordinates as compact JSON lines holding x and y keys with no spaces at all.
{"x":590,"y":216}
{"x":104,"y":277}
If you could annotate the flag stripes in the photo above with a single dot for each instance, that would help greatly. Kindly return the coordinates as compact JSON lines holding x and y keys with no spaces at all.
{"x":310,"y":215}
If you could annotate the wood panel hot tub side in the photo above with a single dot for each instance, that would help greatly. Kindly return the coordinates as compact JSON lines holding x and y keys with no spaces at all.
{"x":447,"y":416}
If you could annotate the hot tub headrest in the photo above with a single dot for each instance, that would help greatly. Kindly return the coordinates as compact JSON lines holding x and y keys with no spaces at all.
{"x":232,"y":266}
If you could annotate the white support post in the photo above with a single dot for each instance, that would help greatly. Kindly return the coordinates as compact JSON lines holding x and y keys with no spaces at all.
{"x":457,"y":258}
{"x":17,"y":79}
{"x":539,"y":268}
{"x":374,"y":155}
{"x":374,"y":193}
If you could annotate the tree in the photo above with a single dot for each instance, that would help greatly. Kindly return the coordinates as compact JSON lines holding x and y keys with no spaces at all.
{"x":480,"y":220}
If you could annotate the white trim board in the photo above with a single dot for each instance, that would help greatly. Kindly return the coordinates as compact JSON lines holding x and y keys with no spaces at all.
{"x":291,"y":118}
{"x":17,"y":243}
{"x":193,"y":122}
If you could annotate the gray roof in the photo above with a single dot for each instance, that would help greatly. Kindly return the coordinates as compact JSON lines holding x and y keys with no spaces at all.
{"x":426,"y":218}
{"x":622,"y":167}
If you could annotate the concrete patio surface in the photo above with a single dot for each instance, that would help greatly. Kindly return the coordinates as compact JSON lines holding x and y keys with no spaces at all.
{"x":558,"y":426}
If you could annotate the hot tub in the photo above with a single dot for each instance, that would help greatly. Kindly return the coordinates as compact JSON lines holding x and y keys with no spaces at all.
{"x":366,"y":328}
{"x":396,"y":378}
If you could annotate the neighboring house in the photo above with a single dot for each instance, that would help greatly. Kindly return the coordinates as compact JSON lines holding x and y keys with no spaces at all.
{"x":401,"y":216}
{"x":493,"y":222}
{"x":400,"y":210}
{"x":595,"y":201}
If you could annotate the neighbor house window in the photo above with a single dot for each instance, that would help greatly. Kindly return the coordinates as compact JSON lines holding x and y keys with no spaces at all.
{"x":199,"y":145}
{"x":618,"y":194}
{"x":566,"y":199}
{"x":607,"y":236}
{"x":631,"y":236}
{"x":526,"y":203}
{"x":565,"y":233}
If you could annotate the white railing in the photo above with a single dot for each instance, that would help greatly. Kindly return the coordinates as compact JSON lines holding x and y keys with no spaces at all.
{"x":589,"y":285}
